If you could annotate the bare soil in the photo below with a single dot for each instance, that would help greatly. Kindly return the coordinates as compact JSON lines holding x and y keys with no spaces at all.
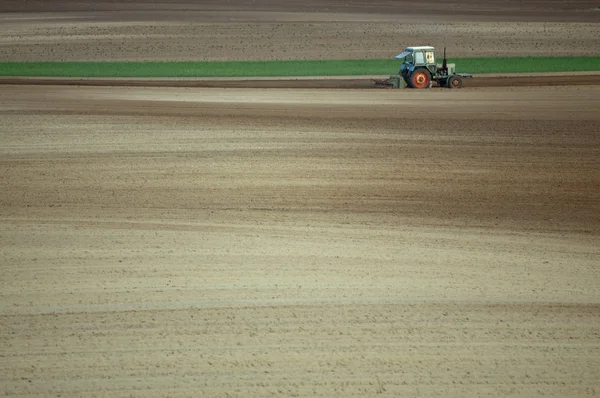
{"x":304,"y":241}
{"x":177,"y":241}
{"x":337,"y":82}
{"x":283,"y":30}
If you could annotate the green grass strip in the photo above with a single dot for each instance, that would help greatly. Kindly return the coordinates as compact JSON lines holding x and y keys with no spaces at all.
{"x":287,"y":68}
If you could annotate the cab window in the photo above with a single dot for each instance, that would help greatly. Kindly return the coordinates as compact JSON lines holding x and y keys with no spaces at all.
{"x":429,"y":57}
{"x":419,"y":58}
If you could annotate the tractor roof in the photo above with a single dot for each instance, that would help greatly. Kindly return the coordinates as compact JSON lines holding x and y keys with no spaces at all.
{"x":413,"y":48}
{"x":420,"y":48}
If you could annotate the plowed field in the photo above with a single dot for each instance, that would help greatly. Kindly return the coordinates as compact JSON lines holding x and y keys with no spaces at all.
{"x":173,"y":241}
{"x":179,"y":30}
{"x":300,"y":241}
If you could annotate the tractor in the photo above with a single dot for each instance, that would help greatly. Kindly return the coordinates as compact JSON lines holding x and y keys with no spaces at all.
{"x":419,"y":70}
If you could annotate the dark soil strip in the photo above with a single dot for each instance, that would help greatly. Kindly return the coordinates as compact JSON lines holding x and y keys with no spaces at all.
{"x":352,"y":83}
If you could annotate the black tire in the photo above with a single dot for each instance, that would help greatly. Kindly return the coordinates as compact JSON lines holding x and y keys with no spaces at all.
{"x":420,"y":78}
{"x":455,"y":82}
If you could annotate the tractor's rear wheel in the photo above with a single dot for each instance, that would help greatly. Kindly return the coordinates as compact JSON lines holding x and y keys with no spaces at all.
{"x":455,"y":82}
{"x":420,"y":78}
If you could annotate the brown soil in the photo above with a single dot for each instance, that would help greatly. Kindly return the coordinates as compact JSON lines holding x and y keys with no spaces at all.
{"x":526,"y":10}
{"x":316,"y":82}
{"x":177,"y":241}
{"x":245,"y":241}
{"x":242,"y":30}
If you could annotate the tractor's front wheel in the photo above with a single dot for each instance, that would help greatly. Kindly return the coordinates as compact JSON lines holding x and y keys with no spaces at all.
{"x":420,"y":78}
{"x":455,"y":82}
